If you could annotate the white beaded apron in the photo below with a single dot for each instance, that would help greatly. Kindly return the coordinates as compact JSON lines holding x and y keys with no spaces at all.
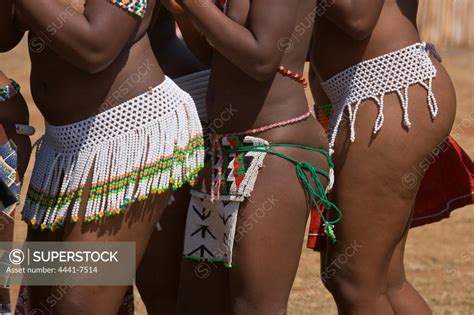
{"x":196,"y":85}
{"x":144,"y":146}
{"x":211,"y":225}
{"x":373,"y":78}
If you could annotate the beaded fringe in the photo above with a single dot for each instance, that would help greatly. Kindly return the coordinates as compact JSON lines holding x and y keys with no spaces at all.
{"x":373,"y":79}
{"x":152,"y":158}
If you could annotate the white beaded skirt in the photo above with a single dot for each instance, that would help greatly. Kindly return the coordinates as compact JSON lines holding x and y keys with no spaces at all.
{"x":196,"y":85}
{"x":394,"y":72}
{"x":143,"y":146}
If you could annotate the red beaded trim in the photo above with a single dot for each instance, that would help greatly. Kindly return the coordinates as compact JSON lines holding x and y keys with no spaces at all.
{"x":293,"y":75}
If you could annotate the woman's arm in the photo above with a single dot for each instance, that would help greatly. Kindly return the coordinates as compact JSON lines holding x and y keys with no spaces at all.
{"x":90,"y":41}
{"x":9,"y":36}
{"x":254,"y":48}
{"x":194,"y":39}
{"x":355,"y":17}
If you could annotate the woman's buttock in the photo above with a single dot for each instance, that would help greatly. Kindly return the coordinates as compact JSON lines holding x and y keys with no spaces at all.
{"x":395,"y":145}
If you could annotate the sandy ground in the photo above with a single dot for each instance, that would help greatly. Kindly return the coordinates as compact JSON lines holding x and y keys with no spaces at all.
{"x":439,"y":258}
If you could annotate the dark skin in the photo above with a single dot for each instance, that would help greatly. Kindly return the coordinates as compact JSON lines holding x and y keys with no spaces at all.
{"x":78,"y":51}
{"x":72,"y":76}
{"x":176,"y":59}
{"x":13,"y":111}
{"x":369,"y":188}
{"x":159,"y":271}
{"x":244,"y":75}
{"x":251,"y":60}
{"x":11,"y":36}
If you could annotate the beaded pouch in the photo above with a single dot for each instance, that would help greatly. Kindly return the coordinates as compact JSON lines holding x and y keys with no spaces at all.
{"x":211,"y":225}
{"x":239,"y":170}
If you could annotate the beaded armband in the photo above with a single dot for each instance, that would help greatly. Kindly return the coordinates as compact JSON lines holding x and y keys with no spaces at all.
{"x":7,"y":92}
{"x":136,"y":7}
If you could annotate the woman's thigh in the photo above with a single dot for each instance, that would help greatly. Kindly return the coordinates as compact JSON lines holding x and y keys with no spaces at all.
{"x":269,"y":236}
{"x":377,"y":178}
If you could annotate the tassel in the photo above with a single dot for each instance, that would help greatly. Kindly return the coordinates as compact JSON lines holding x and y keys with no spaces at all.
{"x":164,"y":153}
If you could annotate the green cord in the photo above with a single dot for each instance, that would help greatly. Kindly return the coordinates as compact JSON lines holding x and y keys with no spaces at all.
{"x":208,"y":260}
{"x":301,"y":167}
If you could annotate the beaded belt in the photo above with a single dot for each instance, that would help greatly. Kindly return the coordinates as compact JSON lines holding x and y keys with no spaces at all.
{"x":374,"y":78}
{"x":317,"y":196}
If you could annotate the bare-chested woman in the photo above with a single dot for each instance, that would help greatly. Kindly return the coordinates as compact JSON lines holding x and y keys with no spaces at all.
{"x":258,"y":116}
{"x":14,"y":115}
{"x":15,"y":150}
{"x":119,"y":134}
{"x":15,"y":145}
{"x":409,"y":96}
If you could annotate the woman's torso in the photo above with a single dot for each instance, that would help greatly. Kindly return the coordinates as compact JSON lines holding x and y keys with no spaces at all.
{"x":396,"y":28}
{"x":254,"y":104}
{"x":65,"y":94}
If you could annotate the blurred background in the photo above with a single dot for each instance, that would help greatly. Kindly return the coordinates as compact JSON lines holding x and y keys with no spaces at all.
{"x":447,"y":23}
{"x":439,"y":257}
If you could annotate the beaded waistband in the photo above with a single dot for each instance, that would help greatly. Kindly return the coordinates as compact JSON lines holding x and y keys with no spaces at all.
{"x":372,"y":79}
{"x":216,"y":149}
{"x":294,"y":76}
{"x":153,"y":105}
